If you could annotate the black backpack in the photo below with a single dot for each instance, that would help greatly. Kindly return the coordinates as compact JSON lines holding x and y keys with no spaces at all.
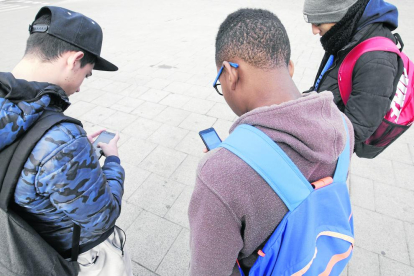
{"x":23,"y":252}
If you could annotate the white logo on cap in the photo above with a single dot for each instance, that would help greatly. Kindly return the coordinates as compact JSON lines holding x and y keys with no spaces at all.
{"x":93,"y":22}
{"x":306,"y":18}
{"x":69,"y":13}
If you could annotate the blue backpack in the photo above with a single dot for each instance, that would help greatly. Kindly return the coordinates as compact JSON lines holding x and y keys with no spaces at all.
{"x":316,"y":236}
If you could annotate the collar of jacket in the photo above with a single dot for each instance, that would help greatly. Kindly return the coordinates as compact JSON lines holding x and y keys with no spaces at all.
{"x":360,"y":36}
{"x":17,"y":90}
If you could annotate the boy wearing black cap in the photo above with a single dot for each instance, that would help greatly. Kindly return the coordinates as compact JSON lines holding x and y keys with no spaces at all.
{"x":343,"y":25}
{"x":62,"y":183}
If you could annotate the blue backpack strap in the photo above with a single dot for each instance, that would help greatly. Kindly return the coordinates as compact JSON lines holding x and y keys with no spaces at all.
{"x":342,"y":167}
{"x":270,"y":162}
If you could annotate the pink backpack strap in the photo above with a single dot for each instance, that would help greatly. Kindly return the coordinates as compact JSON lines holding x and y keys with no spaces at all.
{"x":377,"y":43}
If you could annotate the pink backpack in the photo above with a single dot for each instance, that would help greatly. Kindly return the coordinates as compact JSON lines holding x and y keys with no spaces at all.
{"x":401,"y":113}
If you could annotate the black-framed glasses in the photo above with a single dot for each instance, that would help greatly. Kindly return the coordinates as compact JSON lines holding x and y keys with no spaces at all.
{"x":216,"y":83}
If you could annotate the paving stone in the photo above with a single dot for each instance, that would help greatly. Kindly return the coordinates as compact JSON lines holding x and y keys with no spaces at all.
{"x":394,"y":202}
{"x":115,"y":87}
{"x":175,"y":100}
{"x":407,"y":137}
{"x":157,"y":194}
{"x":79,"y":108}
{"x":163,"y":161}
{"x":202,"y":92}
{"x":129,"y":214}
{"x":134,"y":177}
{"x":107,"y":99}
{"x":157,"y":83}
{"x":344,"y":272}
{"x":178,"y":87}
{"x":142,"y":128}
{"x":172,"y":116}
{"x":197,"y":122}
{"x":97,"y":115}
{"x":177,"y":260}
{"x":198,"y":106}
{"x":222,"y":128}
{"x":222,"y":111}
{"x":362,"y":192}
{"x":135,"y":150}
{"x":191,"y":144}
{"x":163,"y":73}
{"x":398,"y":152}
{"x":148,"y":234}
{"x":186,"y":172}
{"x":87,"y":94}
{"x":168,"y":136}
{"x":154,"y":95}
{"x":378,"y":169}
{"x":404,"y":175}
{"x":127,"y":104}
{"x":99,"y":83}
{"x":138,"y":270}
{"x":134,"y":91}
{"x":409,"y":231}
{"x":394,"y":268}
{"x":179,"y":211}
{"x":363,"y":262}
{"x":119,"y":120}
{"x":215,"y":97}
{"x":142,"y":80}
{"x":380,"y":234}
{"x":180,"y":76}
{"x":149,"y":110}
{"x":200,"y":80}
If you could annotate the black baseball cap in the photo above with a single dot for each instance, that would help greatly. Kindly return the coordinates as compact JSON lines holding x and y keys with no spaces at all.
{"x":76,"y":29}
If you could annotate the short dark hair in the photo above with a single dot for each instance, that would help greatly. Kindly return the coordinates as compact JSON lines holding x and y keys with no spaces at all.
{"x":49,"y":48}
{"x":256,"y":36}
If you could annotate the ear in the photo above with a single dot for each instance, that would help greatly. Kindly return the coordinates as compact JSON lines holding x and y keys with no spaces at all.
{"x":73,"y":59}
{"x":291,"y":67}
{"x":232,"y":75}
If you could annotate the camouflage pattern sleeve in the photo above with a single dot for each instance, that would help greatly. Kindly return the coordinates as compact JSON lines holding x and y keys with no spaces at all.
{"x":15,"y":119}
{"x":63,"y":182}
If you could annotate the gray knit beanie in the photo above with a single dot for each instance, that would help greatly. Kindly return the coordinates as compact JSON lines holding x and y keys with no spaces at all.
{"x":326,"y":11}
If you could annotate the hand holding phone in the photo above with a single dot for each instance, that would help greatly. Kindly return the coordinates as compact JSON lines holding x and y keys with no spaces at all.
{"x":210,"y":138}
{"x":103,"y":144}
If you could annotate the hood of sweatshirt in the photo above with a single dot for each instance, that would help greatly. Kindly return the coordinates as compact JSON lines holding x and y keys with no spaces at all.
{"x":17,"y":90}
{"x":296,"y":124}
{"x":379,"y":11}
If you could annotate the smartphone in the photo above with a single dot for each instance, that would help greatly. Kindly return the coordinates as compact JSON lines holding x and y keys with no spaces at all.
{"x":104,"y":137}
{"x":210,"y":138}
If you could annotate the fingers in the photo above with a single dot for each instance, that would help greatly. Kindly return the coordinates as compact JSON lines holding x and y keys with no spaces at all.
{"x":205,"y":150}
{"x":115,"y":139}
{"x":111,"y":148}
{"x":96,"y":133}
{"x":91,"y":137}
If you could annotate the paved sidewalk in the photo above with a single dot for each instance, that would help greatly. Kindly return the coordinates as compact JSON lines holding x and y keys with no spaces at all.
{"x":162,"y":96}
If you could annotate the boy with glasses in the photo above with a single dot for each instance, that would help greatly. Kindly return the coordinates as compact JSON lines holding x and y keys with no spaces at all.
{"x":233,"y":210}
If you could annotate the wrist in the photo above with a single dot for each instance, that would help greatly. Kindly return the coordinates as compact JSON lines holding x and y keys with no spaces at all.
{"x":112,"y":158}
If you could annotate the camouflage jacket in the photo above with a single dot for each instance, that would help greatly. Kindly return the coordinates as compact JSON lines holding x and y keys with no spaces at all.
{"x":62,"y":182}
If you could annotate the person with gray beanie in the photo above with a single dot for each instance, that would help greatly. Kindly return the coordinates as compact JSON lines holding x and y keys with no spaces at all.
{"x":342,"y":25}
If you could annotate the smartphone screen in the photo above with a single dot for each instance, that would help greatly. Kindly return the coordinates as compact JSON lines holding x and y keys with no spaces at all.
{"x":104,"y":137}
{"x":210,"y":138}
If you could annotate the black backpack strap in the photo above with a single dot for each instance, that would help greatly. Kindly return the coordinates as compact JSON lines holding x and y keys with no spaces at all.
{"x":75,"y":242}
{"x":17,"y":154}
{"x":399,"y":40}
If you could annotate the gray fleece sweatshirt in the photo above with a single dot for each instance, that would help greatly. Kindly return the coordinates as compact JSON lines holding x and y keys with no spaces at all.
{"x":233,"y":210}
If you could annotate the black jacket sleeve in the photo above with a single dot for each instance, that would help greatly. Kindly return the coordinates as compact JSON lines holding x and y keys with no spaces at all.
{"x":373,"y":87}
